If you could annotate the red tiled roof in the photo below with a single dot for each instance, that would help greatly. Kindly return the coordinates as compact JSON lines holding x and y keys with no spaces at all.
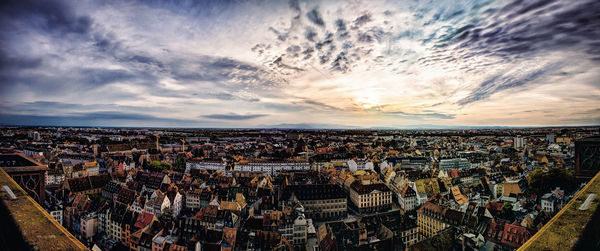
{"x":143,"y":220}
{"x":453,"y":173}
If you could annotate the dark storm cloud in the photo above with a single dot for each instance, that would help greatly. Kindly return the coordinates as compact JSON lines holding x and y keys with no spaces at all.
{"x":45,"y":107}
{"x":315,"y":16}
{"x":98,"y":77}
{"x":519,"y":29}
{"x":334,"y":48}
{"x":517,"y":32}
{"x":320,"y":105}
{"x":310,"y":34}
{"x":53,"y":16}
{"x":365,"y":18}
{"x":86,"y":119}
{"x":501,"y":82}
{"x":146,"y":60}
{"x":233,"y":116}
{"x":341,"y":31}
{"x":229,"y":72}
{"x":9,"y":63}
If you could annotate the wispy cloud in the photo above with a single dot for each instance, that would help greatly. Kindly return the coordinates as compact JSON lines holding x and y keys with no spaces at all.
{"x":233,"y":116}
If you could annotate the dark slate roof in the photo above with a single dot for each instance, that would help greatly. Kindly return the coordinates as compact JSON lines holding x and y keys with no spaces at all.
{"x":313,"y":192}
{"x":365,"y":189}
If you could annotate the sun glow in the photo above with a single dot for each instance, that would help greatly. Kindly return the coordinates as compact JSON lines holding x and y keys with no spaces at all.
{"x":368,"y":102}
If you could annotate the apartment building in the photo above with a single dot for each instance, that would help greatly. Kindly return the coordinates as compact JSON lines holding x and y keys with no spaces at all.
{"x":271,"y":167}
{"x":320,"y":201}
{"x":433,"y":218}
{"x":370,"y":197}
{"x":205,"y":165}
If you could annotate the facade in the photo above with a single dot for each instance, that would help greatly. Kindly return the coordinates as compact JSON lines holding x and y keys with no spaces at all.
{"x":519,"y":142}
{"x":176,"y":202}
{"x":54,"y":177}
{"x":410,"y":235}
{"x":369,"y":198}
{"x":407,"y":198}
{"x":92,"y":168}
{"x":196,"y":199}
{"x":157,"y":204}
{"x":57,"y":215}
{"x":457,"y":163}
{"x":292,"y":227}
{"x":138,"y":204}
{"x":271,"y":167}
{"x":433,"y":218}
{"x":114,"y":220}
{"x":89,"y":225}
{"x":205,"y":165}
{"x":320,"y":202}
{"x":547,"y":203}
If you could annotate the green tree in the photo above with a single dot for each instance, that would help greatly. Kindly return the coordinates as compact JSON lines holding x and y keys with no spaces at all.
{"x":541,"y":180}
{"x":197,"y":152}
{"x":506,"y":212}
{"x":166,"y":214}
{"x":179,"y":163}
{"x":159,"y":166}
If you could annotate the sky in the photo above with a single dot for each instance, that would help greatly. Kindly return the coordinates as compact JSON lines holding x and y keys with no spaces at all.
{"x":319,"y":64}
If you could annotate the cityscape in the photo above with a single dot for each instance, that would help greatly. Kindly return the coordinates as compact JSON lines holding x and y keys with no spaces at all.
{"x":300,"y":125}
{"x":288,"y":189}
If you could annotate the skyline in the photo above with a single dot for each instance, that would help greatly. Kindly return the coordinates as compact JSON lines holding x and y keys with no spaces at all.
{"x":271,"y":63}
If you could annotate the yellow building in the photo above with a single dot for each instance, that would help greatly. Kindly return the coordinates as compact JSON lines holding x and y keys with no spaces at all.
{"x":433,"y":218}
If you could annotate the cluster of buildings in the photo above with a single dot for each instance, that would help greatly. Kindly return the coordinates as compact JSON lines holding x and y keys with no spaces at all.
{"x":143,"y":189}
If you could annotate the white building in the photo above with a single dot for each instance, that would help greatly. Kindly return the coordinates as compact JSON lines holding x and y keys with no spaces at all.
{"x":55,"y":178}
{"x":176,"y":202}
{"x":92,"y":168}
{"x":407,"y":198}
{"x":57,"y":215}
{"x":89,"y":225}
{"x":360,"y":164}
{"x":157,"y":203}
{"x":271,"y":167}
{"x":519,"y":142}
{"x":205,"y":165}
{"x":138,"y":205}
{"x":34,"y":135}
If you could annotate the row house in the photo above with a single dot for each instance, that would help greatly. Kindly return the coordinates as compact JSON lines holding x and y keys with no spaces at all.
{"x":197,"y":198}
{"x":157,"y":203}
{"x":407,"y":198}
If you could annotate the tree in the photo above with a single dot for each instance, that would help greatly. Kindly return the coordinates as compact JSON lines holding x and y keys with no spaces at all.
{"x":179,"y":163}
{"x":506,"y":212}
{"x":541,"y":181}
{"x":197,"y":152}
{"x":166,"y":214}
{"x":159,"y":166}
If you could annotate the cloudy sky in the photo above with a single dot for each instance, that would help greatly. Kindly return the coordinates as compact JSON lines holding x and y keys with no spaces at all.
{"x":300,"y":63}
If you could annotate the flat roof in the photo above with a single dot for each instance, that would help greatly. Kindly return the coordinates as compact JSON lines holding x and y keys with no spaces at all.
{"x":38,"y":228}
